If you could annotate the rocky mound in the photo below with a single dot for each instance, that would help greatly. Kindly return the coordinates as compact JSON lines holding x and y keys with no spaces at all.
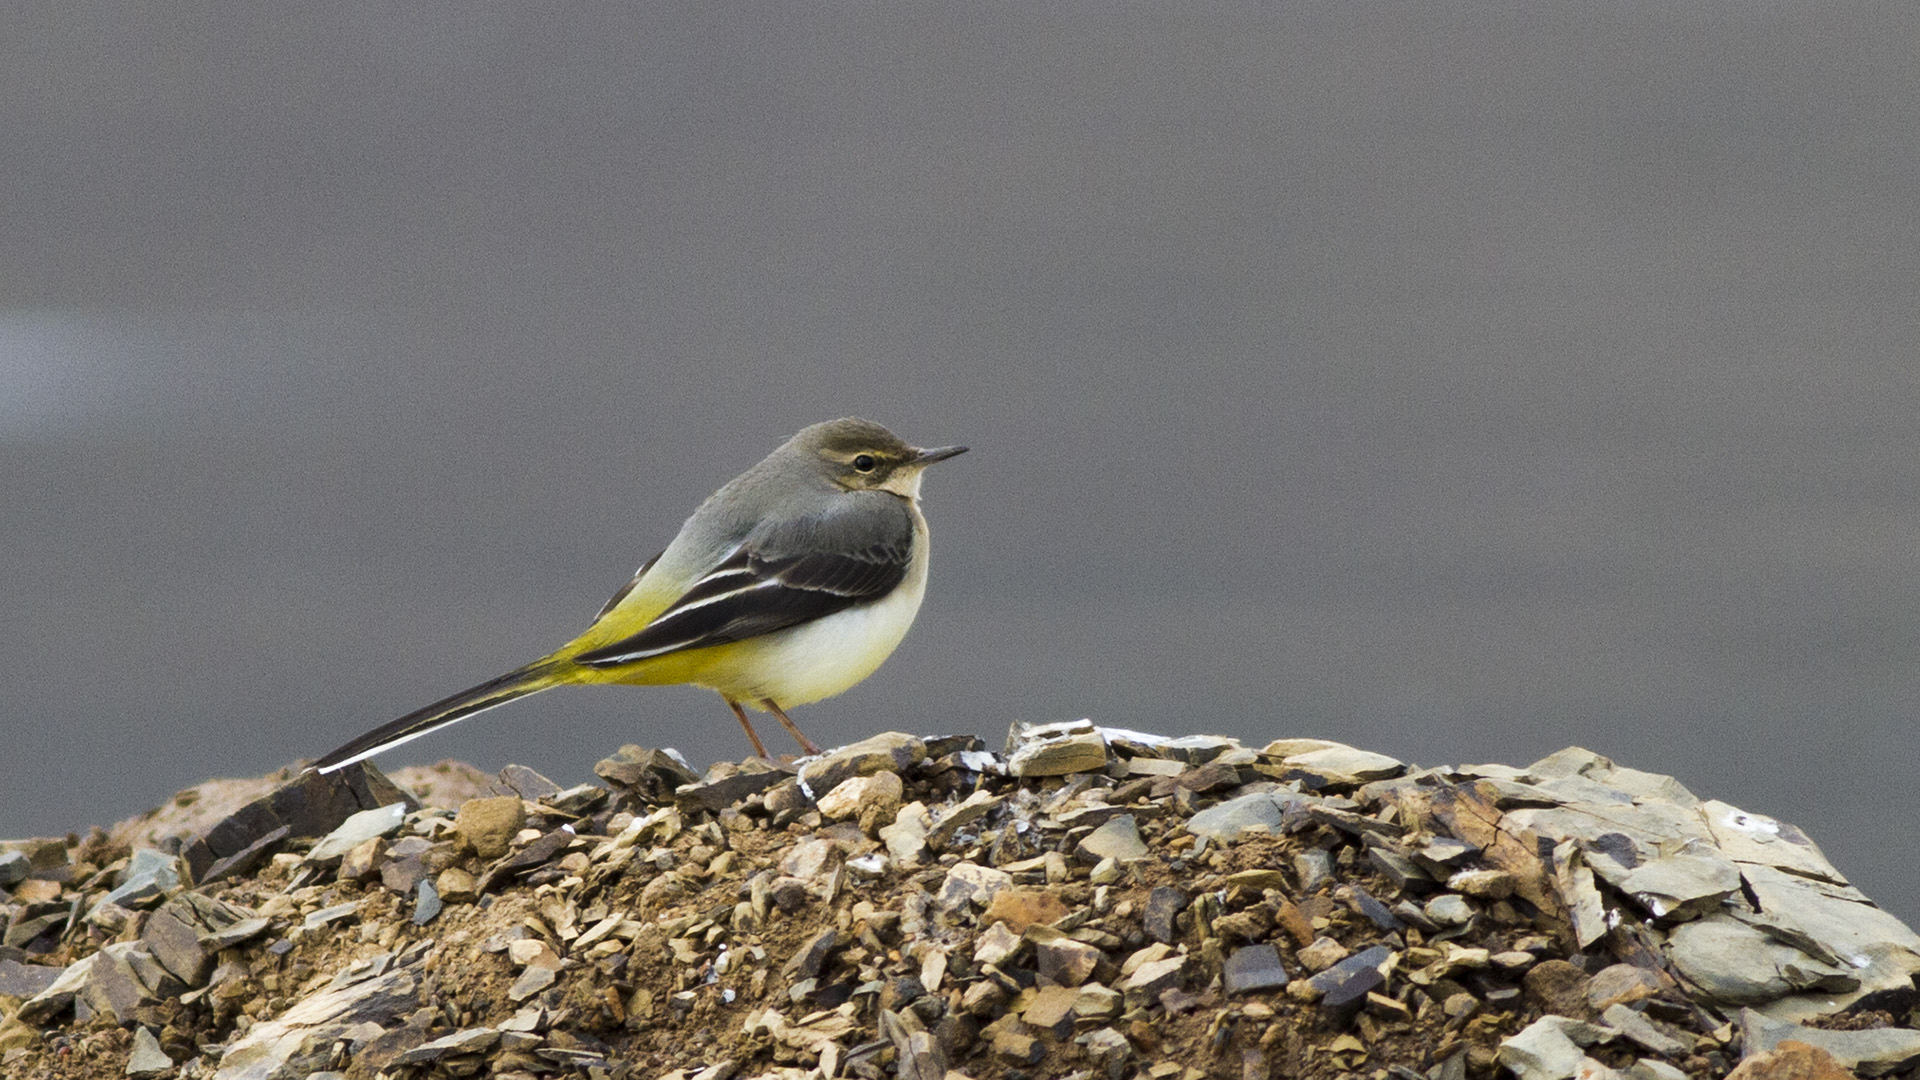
{"x":1090,"y":904}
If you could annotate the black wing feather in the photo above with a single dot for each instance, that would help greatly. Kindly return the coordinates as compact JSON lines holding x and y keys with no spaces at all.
{"x":767,"y":586}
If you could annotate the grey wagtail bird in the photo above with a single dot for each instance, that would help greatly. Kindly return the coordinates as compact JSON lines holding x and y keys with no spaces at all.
{"x":790,"y":584}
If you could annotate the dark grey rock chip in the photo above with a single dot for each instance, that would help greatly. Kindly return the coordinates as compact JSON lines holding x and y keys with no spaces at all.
{"x":404,"y":873}
{"x":125,"y":977}
{"x":527,"y":859}
{"x":426,"y":906}
{"x":310,"y":805}
{"x":530,"y":785}
{"x":809,"y":959}
{"x":717,"y":795}
{"x":941,"y":746}
{"x":1375,"y":912}
{"x":26,"y":980}
{"x":1214,"y":776}
{"x":175,"y":943}
{"x":653,"y":775}
{"x":1405,"y":874}
{"x":1413,"y":915}
{"x":381,"y":1051}
{"x":1254,"y":967}
{"x":1164,"y":904}
{"x":1063,"y":961}
{"x":244,"y":860}
{"x":789,"y":894}
{"x":898,"y":993}
{"x":31,"y":921}
{"x":1347,"y":983}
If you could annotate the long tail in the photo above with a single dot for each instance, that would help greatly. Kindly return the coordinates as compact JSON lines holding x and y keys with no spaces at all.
{"x":531,"y":679}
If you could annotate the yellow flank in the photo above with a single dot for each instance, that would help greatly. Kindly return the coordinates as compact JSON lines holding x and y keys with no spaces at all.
{"x":669,"y":669}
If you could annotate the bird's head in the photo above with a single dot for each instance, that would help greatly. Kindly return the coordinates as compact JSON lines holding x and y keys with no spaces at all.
{"x":860,"y":455}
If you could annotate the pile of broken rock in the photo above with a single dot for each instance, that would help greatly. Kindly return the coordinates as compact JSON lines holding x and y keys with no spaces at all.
{"x":1088,"y":903}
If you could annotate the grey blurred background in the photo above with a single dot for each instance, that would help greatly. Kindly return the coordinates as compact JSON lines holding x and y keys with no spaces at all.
{"x":1460,"y":381}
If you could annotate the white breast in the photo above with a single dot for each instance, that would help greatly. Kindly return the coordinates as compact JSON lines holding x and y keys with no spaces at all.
{"x":828,"y":656}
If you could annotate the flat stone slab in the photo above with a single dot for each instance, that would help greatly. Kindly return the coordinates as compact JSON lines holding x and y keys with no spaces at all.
{"x":1756,"y":838}
{"x":1058,"y":757}
{"x":1869,"y":1053}
{"x":1259,"y":812}
{"x":1738,"y":964}
{"x":1551,"y":1048}
{"x":1345,"y":765}
{"x":1693,"y":882}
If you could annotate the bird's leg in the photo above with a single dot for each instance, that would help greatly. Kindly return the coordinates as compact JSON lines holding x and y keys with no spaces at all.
{"x":798,"y":736}
{"x":745,"y":723}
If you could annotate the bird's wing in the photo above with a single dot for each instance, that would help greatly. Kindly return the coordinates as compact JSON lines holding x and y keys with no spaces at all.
{"x":638,"y":576}
{"x":781,"y":575}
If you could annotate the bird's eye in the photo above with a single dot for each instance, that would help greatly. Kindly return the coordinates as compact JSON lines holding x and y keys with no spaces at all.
{"x":864,"y":463}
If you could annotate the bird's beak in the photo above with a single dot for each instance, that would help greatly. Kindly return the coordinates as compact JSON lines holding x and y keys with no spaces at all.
{"x":938,"y":453}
